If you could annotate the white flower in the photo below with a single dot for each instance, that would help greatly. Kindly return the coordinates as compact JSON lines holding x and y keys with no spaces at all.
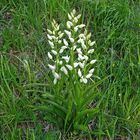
{"x":56,"y":75}
{"x":57,"y":28}
{"x":92,"y":61}
{"x":69,"y":16}
{"x":73,"y":11}
{"x":78,"y":16}
{"x":51,"y":67}
{"x":80,"y":57}
{"x":63,"y":69}
{"x":60,"y":62}
{"x":62,"y":49}
{"x":75,"y":64}
{"x":51,"y":43}
{"x":68,"y":33}
{"x":80,"y":40}
{"x":91,"y":71}
{"x":79,"y":73}
{"x":71,"y":39}
{"x":74,"y":47}
{"x":91,"y":51}
{"x":65,"y":42}
{"x":55,"y":81}
{"x":92,"y":43}
{"x":75,"y":19}
{"x":69,"y":67}
{"x":83,"y":80}
{"x":49,"y":55}
{"x":88,"y":75}
{"x":49,"y":31}
{"x":66,"y":58}
{"x":49,"y":37}
{"x":86,"y":57}
{"x":69,"y":24}
{"x":81,"y":25}
{"x":81,"y":65}
{"x":82,"y":36}
{"x":59,"y":41}
{"x":88,"y":36}
{"x":76,"y":28}
{"x":61,"y":35}
{"x":83,"y":46}
{"x":79,"y":51}
{"x":54,"y":52}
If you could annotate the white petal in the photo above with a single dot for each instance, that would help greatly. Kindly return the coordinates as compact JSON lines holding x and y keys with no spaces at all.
{"x":63,"y":69}
{"x":56,"y":75}
{"x":92,"y":61}
{"x":71,"y":39}
{"x":92,"y":43}
{"x":49,"y":31}
{"x":51,"y":67}
{"x":59,"y":41}
{"x":68,"y":33}
{"x":84,"y":46}
{"x":49,"y":37}
{"x":69,"y":17}
{"x":91,"y":71}
{"x":60,"y":62}
{"x":75,"y":19}
{"x":61,"y":50}
{"x":76,"y":28}
{"x":74,"y":47}
{"x":88,"y":36}
{"x":61,"y":35}
{"x":81,"y":25}
{"x":86,"y":57}
{"x":91,"y":51}
{"x":66,"y":58}
{"x":78,"y":16}
{"x":69,"y":67}
{"x":55,"y":81}
{"x":49,"y":55}
{"x":79,"y":51}
{"x":75,"y":64}
{"x":88,"y":75}
{"x":84,"y":80}
{"x":51,"y":44}
{"x":80,"y":57}
{"x":82,"y":36}
{"x":74,"y":11}
{"x":65,"y":42}
{"x":69,"y":24}
{"x":79,"y":73}
{"x":81,"y":65}
{"x":54,"y":52}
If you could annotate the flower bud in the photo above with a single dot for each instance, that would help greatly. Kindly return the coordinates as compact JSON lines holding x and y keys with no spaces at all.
{"x":91,"y":71}
{"x":49,"y":55}
{"x":54,"y":52}
{"x":79,"y":73}
{"x":51,"y":67}
{"x":65,"y":42}
{"x":69,"y":67}
{"x":63,"y":69}
{"x":92,"y":61}
{"x":90,"y":51}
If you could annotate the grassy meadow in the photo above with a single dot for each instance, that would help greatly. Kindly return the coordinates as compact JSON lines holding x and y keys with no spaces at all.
{"x":32,"y":108}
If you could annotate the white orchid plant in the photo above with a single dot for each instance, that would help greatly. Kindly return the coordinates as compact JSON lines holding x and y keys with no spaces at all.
{"x":71,"y":50}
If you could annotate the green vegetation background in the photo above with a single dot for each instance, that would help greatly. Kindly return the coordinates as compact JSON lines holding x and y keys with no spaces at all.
{"x":115,"y":27}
